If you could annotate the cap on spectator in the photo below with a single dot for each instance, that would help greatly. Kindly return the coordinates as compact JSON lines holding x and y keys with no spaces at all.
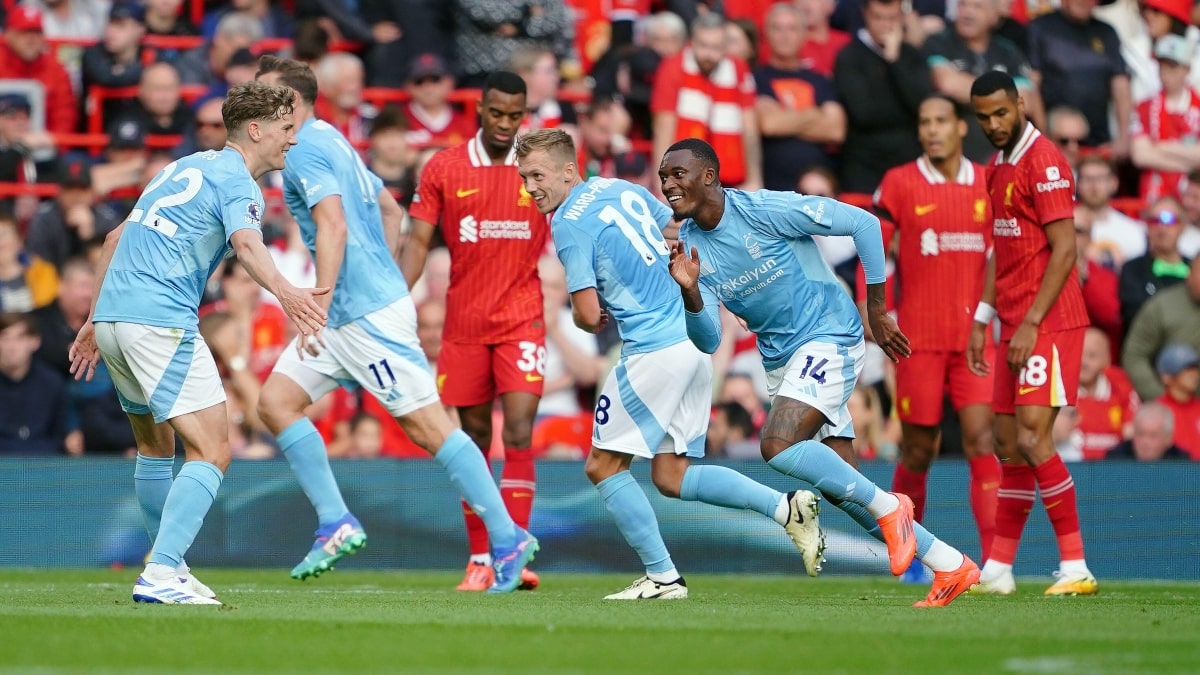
{"x":1176,"y":358}
{"x":427,"y":65}
{"x":1176,"y":9}
{"x":24,"y":18}
{"x":127,"y":135}
{"x":1175,"y":48}
{"x":76,"y":174}
{"x":125,"y":9}
{"x":14,"y":103}
{"x":243,"y":57}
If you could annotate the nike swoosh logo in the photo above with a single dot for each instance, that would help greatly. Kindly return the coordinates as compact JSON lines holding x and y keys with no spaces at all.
{"x":1025,"y":390}
{"x":534,"y":378}
{"x":922,"y":209}
{"x":465,"y":193}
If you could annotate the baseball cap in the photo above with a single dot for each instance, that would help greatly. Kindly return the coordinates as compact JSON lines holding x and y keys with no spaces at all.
{"x":24,"y":18}
{"x":243,"y":57}
{"x":127,"y":10}
{"x":1176,"y":9}
{"x":127,"y":135}
{"x":1176,"y":358}
{"x":427,"y":65}
{"x":1173,"y":48}
{"x":14,"y":103}
{"x":76,"y":174}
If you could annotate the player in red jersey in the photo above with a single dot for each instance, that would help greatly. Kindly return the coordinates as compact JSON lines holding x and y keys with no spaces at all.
{"x":939,"y":204}
{"x":1032,"y":285}
{"x":494,"y":339}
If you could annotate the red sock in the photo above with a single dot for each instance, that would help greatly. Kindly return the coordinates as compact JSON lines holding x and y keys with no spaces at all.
{"x":985,"y":483}
{"x":518,"y":483}
{"x":913,"y":484}
{"x":1014,"y":501}
{"x":1058,"y":496}
{"x":477,"y":536}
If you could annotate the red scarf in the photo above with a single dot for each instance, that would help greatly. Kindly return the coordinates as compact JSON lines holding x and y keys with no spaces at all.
{"x":709,"y":108}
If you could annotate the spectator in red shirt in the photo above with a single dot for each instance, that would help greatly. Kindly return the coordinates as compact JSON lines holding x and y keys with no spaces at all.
{"x":1100,"y":284}
{"x":1166,"y":126}
{"x":23,"y":56}
{"x":1179,"y":369}
{"x":340,"y":77}
{"x":821,"y":43}
{"x":1106,"y":403}
{"x":704,"y":93}
{"x":432,"y":120}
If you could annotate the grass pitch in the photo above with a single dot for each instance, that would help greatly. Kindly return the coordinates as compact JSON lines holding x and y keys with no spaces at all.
{"x":365,"y":622}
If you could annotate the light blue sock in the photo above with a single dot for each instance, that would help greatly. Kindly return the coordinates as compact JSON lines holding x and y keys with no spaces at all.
{"x":470,"y":474}
{"x":722,"y":486}
{"x":152,"y":477}
{"x":635,"y":518}
{"x":301,"y":443}
{"x":191,"y":497}
{"x":868,"y":522}
{"x":817,"y":463}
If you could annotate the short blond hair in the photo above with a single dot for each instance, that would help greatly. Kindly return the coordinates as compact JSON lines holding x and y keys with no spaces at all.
{"x":555,"y":142}
{"x":255,"y":101}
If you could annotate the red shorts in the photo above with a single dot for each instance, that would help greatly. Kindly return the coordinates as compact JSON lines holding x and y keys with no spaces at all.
{"x":473,"y":374}
{"x":923,"y":379}
{"x":1050,"y":378}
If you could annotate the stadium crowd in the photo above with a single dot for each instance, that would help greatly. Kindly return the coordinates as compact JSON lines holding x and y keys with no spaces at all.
{"x":817,"y":96}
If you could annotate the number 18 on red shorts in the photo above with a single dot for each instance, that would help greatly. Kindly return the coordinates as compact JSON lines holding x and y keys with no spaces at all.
{"x":1050,"y":378}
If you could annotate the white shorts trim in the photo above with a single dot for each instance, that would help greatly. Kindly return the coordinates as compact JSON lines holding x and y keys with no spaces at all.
{"x":166,"y":372}
{"x":656,"y":402}
{"x":379,"y":352}
{"x":822,"y":375}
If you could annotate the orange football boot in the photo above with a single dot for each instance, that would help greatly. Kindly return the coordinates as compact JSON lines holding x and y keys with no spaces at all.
{"x":529,"y":580}
{"x":949,"y":585}
{"x":897,"y":529}
{"x":479,"y":578}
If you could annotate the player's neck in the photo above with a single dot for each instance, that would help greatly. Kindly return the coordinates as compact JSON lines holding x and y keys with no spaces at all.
{"x":709,"y":215}
{"x":947,"y":166}
{"x":1017,"y":134}
{"x":498,"y":157}
{"x":252,"y":165}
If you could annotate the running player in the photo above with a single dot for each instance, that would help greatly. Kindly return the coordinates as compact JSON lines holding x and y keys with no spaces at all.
{"x":1032,"y":285}
{"x":144,"y":323}
{"x":939,"y":204}
{"x":656,"y":403}
{"x":351,"y":224}
{"x":494,"y":340}
{"x":754,"y":252}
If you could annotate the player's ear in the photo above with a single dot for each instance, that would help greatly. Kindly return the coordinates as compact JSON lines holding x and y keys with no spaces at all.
{"x":254,"y":131}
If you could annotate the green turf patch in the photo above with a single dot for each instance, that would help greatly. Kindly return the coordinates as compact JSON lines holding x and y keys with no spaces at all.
{"x":350,"y":621}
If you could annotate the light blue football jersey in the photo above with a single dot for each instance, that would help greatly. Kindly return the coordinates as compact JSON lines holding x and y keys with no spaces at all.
{"x":608,"y":236}
{"x":323,"y":164}
{"x":761,"y":261}
{"x":176,"y":236}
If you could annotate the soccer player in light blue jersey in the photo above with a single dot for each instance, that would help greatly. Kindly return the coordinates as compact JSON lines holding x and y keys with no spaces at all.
{"x":656,"y":403}
{"x":144,"y":322}
{"x":351,"y":225}
{"x":754,"y":252}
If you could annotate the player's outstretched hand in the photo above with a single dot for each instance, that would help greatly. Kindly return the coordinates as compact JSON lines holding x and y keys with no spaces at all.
{"x":975,"y":348}
{"x":84,"y":354}
{"x":303,"y":310}
{"x":685,"y":269}
{"x":888,"y":336}
{"x":1020,"y":347}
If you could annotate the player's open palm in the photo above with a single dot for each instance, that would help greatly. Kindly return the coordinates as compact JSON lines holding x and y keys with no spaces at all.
{"x":302,"y":308}
{"x":889,"y":337}
{"x":685,"y":268}
{"x":976,"y":344}
{"x":84,"y":354}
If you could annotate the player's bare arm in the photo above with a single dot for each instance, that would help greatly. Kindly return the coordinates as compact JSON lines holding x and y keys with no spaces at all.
{"x":392,"y":215}
{"x":888,"y":336}
{"x":416,"y":249}
{"x":84,"y":354}
{"x":298,"y":303}
{"x":330,"y":218}
{"x":585,"y":310}
{"x":685,"y":269}
{"x":984,"y":313}
{"x":1061,"y":236}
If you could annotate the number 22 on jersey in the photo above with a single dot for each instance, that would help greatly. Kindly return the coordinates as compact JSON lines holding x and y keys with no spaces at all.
{"x":192,"y":180}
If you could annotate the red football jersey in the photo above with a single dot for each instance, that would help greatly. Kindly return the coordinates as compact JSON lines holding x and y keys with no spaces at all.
{"x":945,"y":235}
{"x":495,"y":236}
{"x":1104,"y":413}
{"x":1187,"y":424}
{"x":1031,"y":188}
{"x":447,"y":130}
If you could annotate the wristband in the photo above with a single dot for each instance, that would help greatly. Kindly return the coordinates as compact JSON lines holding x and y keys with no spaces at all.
{"x":984,"y":313}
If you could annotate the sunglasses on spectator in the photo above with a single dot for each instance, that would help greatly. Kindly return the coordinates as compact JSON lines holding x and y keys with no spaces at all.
{"x":420,"y":81}
{"x":1164,"y":218}
{"x":1065,"y":140}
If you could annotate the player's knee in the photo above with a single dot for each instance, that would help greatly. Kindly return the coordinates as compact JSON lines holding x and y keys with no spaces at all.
{"x":915,"y":455}
{"x":1032,"y":444}
{"x":978,"y":442}
{"x":668,"y":482}
{"x":601,"y":465}
{"x":517,"y":433}
{"x":769,"y":447}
